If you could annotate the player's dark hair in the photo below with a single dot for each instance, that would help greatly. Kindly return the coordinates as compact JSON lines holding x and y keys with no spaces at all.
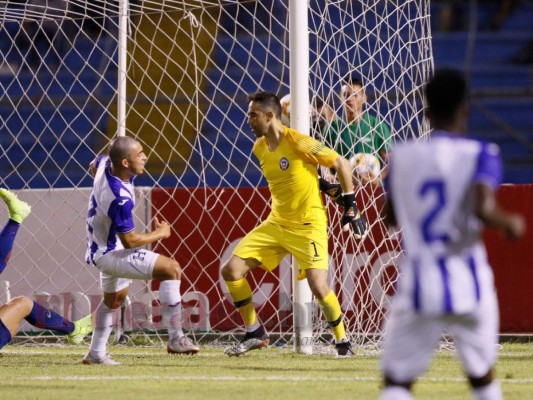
{"x":353,"y":79}
{"x":120,"y":148}
{"x":445,"y":93}
{"x":268,"y":101}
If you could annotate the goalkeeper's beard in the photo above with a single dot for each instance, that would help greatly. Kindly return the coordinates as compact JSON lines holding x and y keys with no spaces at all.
{"x":258,"y":134}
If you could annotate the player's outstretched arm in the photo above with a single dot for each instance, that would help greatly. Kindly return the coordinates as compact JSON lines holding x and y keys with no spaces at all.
{"x":488,"y":210}
{"x":92,"y":169}
{"x":93,"y":166}
{"x":344,"y":174}
{"x":333,"y":190}
{"x":132,"y":239}
{"x":351,"y":217}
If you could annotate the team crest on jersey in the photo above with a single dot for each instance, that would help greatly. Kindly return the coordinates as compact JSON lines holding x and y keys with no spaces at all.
{"x":283,"y":163}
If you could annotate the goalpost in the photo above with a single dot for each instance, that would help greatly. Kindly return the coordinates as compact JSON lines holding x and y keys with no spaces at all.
{"x":299,"y":112}
{"x":177,"y":82}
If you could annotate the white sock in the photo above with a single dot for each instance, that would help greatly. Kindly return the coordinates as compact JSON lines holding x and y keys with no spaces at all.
{"x":170,"y":297}
{"x":253,"y":327}
{"x":104,"y":322}
{"x":395,"y":393}
{"x":492,"y":391}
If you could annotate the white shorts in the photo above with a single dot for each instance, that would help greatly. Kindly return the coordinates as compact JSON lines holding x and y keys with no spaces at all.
{"x":411,"y":338}
{"x":119,"y":267}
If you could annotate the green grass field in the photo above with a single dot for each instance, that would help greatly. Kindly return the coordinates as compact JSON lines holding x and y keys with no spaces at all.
{"x":272,"y":373}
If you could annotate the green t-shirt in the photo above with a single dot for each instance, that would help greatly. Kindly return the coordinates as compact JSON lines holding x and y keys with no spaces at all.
{"x":369,"y":135}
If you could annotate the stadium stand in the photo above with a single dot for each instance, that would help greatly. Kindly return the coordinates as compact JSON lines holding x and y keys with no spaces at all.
{"x":502,"y":91}
{"x":501,"y":104}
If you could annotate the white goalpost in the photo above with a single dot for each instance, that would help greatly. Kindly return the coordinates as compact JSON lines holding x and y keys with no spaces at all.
{"x":175,"y":75}
{"x":299,"y":88}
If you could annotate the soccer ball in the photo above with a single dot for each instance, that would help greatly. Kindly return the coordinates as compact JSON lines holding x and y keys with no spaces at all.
{"x":365,"y":167}
{"x":286,"y":109}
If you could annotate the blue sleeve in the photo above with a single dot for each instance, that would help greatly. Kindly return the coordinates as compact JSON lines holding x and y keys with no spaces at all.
{"x":121,"y":214}
{"x":97,"y":160}
{"x":489,"y":165}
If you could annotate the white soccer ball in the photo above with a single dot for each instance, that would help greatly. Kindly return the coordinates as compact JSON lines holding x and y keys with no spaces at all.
{"x":365,"y":167}
{"x":286,"y":110}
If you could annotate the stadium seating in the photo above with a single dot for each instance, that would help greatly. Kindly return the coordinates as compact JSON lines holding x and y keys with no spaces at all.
{"x":43,"y":137}
{"x":501,"y":103}
{"x":501,"y":90}
{"x":501,"y":106}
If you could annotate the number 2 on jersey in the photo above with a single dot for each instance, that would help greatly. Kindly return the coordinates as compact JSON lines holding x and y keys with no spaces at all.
{"x":437,"y":190}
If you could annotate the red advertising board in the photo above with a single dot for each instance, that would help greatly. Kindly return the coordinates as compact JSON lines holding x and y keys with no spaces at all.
{"x":513,"y":263}
{"x":208,"y":222}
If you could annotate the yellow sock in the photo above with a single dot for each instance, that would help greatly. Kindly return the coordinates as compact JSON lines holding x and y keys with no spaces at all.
{"x":241,"y":294}
{"x":332,"y":311}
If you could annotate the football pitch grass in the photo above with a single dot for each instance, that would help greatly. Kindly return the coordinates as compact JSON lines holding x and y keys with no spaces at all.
{"x":272,"y":373}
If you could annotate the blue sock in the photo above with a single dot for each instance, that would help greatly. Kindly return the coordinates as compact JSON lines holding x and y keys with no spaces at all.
{"x":44,"y":318}
{"x":7,"y":238}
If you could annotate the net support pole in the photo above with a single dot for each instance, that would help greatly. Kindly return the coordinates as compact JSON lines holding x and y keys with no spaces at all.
{"x":299,"y":111}
{"x":122,"y":66}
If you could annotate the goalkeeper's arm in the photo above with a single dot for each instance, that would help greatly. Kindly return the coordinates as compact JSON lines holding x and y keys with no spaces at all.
{"x":351,"y":216}
{"x":333,"y":190}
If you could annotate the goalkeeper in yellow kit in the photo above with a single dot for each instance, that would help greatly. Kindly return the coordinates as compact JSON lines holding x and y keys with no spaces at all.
{"x":297,"y":223}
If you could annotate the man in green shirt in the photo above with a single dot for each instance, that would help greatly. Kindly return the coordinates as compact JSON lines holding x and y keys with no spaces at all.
{"x":358,"y":131}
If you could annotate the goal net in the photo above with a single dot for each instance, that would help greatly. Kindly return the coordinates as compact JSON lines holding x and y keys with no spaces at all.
{"x":178,"y":84}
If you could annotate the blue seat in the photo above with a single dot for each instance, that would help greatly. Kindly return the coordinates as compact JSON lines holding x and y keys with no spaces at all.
{"x":485,"y":114}
{"x":489,"y":48}
{"x":520,"y":19}
{"x":49,"y":145}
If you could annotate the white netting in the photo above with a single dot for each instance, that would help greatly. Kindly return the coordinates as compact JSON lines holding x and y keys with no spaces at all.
{"x":190,"y":66}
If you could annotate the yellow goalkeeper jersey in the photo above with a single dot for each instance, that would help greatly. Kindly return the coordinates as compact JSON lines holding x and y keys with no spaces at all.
{"x":291,"y":172}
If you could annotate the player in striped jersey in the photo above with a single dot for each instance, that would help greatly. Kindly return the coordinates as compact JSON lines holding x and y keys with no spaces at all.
{"x":440,"y":193}
{"x":116,"y":250}
{"x":297,"y":223}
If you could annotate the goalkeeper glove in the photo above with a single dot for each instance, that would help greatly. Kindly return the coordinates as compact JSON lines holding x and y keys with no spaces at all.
{"x":353,"y":217}
{"x":333,"y":190}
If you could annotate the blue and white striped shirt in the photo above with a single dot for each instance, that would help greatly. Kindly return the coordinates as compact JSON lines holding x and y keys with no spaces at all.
{"x":110,"y":211}
{"x":444,"y":269}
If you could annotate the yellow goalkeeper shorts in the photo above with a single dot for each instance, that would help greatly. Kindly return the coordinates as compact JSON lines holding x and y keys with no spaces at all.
{"x":269,"y":243}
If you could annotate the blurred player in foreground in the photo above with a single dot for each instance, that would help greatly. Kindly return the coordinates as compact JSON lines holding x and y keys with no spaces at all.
{"x":297,"y":224}
{"x":115,"y":249}
{"x":13,"y":312}
{"x":441,"y":193}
